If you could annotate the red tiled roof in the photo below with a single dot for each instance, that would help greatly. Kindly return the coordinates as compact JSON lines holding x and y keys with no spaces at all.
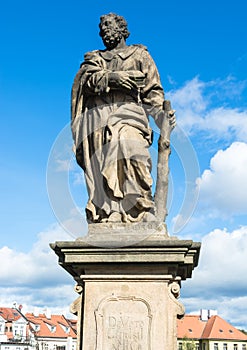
{"x":217,"y":328}
{"x":73,"y":324}
{"x":58,"y":321}
{"x":9,"y":314}
{"x":191,"y":326}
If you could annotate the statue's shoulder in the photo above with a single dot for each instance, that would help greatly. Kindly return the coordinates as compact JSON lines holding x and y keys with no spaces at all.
{"x":91,"y":54}
{"x":140,"y":50}
{"x":140,"y":46}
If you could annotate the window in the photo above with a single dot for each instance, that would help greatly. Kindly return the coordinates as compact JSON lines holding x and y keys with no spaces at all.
{"x":61,"y":347}
{"x":180,"y":346}
{"x":216,"y":346}
{"x":243,"y":346}
{"x":235,"y":347}
{"x":197,"y":347}
{"x":224,"y":346}
{"x":203,"y":346}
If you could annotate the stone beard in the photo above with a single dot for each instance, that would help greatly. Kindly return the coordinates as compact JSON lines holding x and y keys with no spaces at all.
{"x":111,"y":38}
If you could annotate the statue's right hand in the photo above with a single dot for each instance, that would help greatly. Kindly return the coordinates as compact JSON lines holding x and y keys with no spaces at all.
{"x":122,"y":79}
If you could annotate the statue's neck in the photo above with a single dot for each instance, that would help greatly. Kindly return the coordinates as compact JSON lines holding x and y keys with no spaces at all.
{"x":121,"y":45}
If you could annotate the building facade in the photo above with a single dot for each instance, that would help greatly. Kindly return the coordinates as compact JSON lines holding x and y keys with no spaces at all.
{"x":208,"y":331}
{"x":35,"y":331}
{"x":51,"y":332}
{"x":13,"y":330}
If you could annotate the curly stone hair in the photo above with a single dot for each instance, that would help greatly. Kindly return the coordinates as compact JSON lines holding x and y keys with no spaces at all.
{"x":121,"y":22}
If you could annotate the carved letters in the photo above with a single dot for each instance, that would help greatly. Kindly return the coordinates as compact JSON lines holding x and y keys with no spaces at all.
{"x":123,"y":323}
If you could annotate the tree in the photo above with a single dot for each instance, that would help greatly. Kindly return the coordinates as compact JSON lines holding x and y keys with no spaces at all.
{"x":188,"y":344}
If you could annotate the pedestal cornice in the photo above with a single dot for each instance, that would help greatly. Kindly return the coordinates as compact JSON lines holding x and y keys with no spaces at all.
{"x":153,"y":255}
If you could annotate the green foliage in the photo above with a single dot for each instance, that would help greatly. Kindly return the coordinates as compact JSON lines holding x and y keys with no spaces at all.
{"x":188,"y":344}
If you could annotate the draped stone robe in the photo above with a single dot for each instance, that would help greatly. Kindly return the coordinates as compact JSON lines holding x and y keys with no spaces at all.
{"x":112,"y":134}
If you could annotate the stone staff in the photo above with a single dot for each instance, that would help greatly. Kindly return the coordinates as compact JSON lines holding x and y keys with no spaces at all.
{"x":164,"y":151}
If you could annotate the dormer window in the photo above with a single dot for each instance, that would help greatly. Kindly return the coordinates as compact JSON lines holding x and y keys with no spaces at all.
{"x":65,"y":328}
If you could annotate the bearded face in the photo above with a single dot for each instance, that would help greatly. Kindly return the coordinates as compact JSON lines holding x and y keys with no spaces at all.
{"x":110,"y":33}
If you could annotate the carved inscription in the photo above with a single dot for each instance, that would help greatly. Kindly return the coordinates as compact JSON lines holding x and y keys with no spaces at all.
{"x":124,"y":332}
{"x":123,"y":323}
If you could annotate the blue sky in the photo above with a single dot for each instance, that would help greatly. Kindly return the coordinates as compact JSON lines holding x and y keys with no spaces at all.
{"x":201,"y":53}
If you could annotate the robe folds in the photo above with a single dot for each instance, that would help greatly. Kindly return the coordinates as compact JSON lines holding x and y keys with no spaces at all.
{"x":111,"y":132}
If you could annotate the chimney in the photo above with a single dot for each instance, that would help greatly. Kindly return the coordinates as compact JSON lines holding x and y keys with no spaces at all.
{"x":204,"y":314}
{"x":36,"y":312}
{"x":212,"y":313}
{"x":48,"y":313}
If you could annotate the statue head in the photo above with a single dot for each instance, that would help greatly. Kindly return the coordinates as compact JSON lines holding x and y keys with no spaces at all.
{"x":113,"y":28}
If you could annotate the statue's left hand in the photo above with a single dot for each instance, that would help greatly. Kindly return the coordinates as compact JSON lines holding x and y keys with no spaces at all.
{"x":170,"y":115}
{"x":172,"y":118}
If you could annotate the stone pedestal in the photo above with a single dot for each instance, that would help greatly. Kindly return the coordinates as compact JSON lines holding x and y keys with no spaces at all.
{"x":128,"y":294}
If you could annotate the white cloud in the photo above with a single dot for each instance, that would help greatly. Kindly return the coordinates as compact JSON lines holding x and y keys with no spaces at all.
{"x":219,"y":281}
{"x":63,"y":165}
{"x":189,"y":103}
{"x":201,"y":106}
{"x":57,"y":298}
{"x":223,"y":187}
{"x":225,"y":122}
{"x":223,"y":259}
{"x":78,"y":178}
{"x":232,"y":309}
{"x":35,"y":278}
{"x":35,"y":267}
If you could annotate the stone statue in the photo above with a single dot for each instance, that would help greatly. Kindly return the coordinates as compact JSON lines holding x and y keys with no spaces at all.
{"x":114,"y":92}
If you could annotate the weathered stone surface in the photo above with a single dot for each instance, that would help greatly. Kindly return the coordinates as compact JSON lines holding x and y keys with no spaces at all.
{"x":128,"y":295}
{"x":128,"y":270}
{"x":154,"y":254}
{"x":114,"y":92}
{"x":123,"y":234}
{"x":130,"y":315}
